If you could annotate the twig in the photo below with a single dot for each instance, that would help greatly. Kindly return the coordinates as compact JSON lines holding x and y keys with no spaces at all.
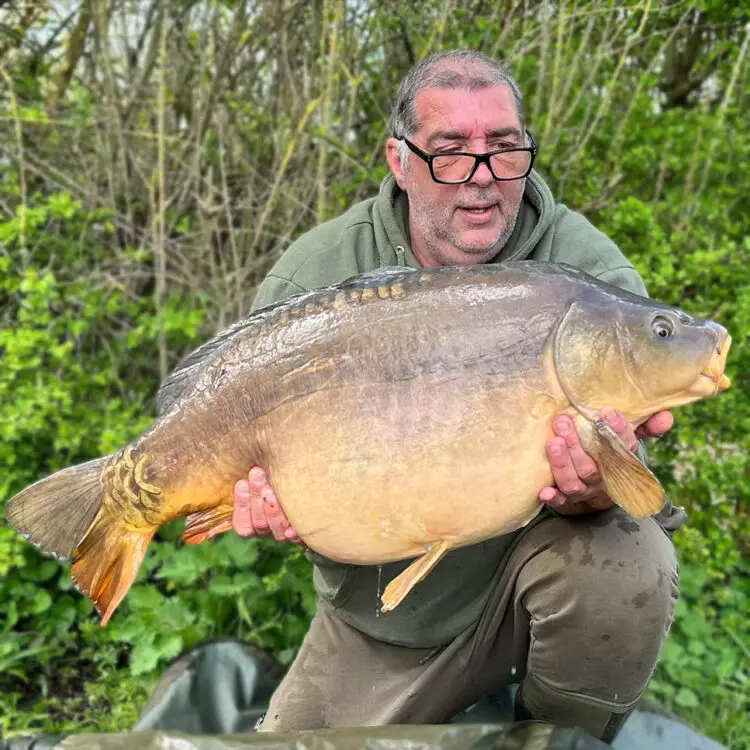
{"x":718,"y":126}
{"x":160,"y":265}
{"x":227,"y":201}
{"x":325,"y":109}
{"x":23,"y":212}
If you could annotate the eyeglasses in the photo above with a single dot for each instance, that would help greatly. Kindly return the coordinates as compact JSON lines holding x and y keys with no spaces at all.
{"x":458,"y":167}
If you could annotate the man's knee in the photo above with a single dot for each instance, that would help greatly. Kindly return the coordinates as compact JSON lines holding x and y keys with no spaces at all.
{"x":601,"y":598}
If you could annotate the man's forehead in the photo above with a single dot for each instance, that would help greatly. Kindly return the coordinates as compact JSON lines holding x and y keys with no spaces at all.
{"x":455,"y":113}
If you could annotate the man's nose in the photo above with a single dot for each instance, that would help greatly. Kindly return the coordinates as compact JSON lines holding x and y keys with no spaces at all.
{"x":482,"y":175}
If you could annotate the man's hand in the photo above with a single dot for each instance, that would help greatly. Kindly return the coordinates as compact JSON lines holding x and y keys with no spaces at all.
{"x":578,"y":487}
{"x":257,"y":511}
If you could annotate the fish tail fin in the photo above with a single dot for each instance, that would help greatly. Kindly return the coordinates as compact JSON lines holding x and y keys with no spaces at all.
{"x":56,"y":512}
{"x":106,"y":562}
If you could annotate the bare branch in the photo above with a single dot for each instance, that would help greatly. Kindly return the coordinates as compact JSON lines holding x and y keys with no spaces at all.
{"x":73,"y":54}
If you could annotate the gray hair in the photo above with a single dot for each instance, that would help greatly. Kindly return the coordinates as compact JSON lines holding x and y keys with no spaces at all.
{"x":451,"y":69}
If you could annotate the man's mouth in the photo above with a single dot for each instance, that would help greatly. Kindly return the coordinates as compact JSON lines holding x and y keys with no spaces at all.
{"x":479,"y":210}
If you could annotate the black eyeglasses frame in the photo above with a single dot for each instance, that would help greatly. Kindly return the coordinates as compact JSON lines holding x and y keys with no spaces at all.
{"x":478,"y":159}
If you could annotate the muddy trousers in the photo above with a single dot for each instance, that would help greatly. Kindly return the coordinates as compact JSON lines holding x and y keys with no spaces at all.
{"x":577,"y":614}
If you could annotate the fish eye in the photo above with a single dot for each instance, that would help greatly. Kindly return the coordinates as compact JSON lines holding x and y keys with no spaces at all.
{"x":662,"y":327}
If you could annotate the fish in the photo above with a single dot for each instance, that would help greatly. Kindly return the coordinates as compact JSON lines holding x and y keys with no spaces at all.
{"x":375,"y":405}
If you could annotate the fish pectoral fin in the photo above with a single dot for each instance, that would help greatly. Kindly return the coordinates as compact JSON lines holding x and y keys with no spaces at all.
{"x":207,"y":523}
{"x":405,"y":581}
{"x":626,"y":480}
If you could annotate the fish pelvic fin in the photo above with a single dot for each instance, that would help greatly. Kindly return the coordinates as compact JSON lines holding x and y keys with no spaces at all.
{"x":107,"y":561}
{"x":207,"y":523}
{"x":56,"y":512}
{"x":628,"y":482}
{"x":404,"y":582}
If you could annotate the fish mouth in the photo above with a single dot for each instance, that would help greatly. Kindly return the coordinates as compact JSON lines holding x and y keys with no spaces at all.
{"x":713,"y":380}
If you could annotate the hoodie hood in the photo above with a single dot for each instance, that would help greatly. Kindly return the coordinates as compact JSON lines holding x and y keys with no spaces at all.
{"x":391,"y":212}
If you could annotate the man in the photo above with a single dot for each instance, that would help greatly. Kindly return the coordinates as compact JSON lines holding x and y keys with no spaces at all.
{"x":576,"y":606}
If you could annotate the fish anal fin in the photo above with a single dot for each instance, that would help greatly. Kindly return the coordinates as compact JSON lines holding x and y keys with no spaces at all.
{"x":627,"y":481}
{"x":207,"y":523}
{"x":403,"y":583}
{"x":107,"y":561}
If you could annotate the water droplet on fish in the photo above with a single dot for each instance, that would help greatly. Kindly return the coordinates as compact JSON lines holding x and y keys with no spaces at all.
{"x":377,"y":601}
{"x":513,"y":670}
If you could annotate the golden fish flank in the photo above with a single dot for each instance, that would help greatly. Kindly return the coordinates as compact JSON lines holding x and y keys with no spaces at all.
{"x":339,"y":378}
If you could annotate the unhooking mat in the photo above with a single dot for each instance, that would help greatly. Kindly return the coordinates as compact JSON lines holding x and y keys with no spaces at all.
{"x":212,"y":698}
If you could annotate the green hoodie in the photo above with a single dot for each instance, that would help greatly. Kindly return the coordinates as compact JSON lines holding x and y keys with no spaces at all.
{"x":373,"y":234}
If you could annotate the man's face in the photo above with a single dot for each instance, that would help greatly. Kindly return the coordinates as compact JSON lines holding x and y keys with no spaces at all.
{"x":468,"y":223}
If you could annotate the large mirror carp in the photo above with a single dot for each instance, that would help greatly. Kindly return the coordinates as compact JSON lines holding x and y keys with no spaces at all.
{"x":427,"y":382}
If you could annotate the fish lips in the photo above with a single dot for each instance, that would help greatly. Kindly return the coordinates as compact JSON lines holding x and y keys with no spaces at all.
{"x":713,"y":380}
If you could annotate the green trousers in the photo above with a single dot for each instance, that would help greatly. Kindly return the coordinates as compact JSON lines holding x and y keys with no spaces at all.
{"x":578,"y":613}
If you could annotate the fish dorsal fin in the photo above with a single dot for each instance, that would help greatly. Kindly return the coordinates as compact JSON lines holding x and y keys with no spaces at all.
{"x":384,"y":275}
{"x":191,"y":367}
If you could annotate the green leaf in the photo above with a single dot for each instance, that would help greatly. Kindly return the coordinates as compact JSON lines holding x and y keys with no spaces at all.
{"x":145,"y":597}
{"x":42,"y":602}
{"x":673,"y":652}
{"x":168,"y":646}
{"x":686,"y":698}
{"x":143,"y":659}
{"x":695,"y":625}
{"x":41,"y":572}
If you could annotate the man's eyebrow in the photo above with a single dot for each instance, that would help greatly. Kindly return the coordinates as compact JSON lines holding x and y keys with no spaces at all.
{"x":457,"y":135}
{"x":502,"y":132}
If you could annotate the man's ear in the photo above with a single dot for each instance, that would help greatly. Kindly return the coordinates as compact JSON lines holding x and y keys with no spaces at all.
{"x":394,"y":161}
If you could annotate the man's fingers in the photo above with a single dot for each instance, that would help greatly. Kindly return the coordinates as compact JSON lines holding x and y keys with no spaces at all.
{"x":656,"y":425}
{"x":241,"y":520}
{"x":616,"y":420}
{"x":291,"y":536}
{"x":566,"y":506}
{"x":258,"y":483}
{"x":277,"y":520}
{"x":564,"y":473}
{"x":552,"y":496}
{"x":585,"y":466}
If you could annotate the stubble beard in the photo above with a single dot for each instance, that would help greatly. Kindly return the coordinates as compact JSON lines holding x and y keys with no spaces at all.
{"x":434,"y":225}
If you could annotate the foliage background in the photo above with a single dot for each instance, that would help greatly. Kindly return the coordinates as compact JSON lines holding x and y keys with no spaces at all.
{"x":157,"y":156}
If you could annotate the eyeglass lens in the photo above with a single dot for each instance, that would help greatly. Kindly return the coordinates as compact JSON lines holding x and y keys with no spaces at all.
{"x":453,"y":168}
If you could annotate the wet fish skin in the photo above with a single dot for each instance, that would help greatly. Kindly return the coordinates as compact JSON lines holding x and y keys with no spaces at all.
{"x":427,"y":382}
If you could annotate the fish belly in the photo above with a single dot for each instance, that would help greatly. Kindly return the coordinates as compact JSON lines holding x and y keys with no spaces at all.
{"x":371,"y":474}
